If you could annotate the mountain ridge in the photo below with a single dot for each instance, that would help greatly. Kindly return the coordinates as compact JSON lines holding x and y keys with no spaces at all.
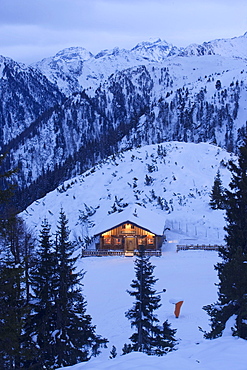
{"x":154,"y":51}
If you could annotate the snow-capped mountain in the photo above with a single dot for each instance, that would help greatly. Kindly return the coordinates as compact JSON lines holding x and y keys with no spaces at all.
{"x":65,"y":68}
{"x":87,"y":73}
{"x":137,"y":106}
{"x":75,"y":68}
{"x":155,"y":50}
{"x":172,"y":179}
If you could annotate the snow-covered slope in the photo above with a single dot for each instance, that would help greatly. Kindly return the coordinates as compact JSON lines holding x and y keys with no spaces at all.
{"x":173,"y":179}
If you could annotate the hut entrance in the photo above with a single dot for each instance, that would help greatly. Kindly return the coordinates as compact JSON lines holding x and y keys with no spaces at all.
{"x":130,"y":244}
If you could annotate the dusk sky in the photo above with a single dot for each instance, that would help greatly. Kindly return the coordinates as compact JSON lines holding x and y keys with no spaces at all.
{"x":31,"y":30}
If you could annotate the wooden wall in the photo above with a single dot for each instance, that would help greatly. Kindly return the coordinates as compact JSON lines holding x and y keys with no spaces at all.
{"x":115,"y":238}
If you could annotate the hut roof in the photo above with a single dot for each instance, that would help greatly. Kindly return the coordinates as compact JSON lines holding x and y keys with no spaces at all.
{"x":135,"y":214}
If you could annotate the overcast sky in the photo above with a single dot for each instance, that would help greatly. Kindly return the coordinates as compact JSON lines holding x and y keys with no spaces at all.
{"x":34,"y":29}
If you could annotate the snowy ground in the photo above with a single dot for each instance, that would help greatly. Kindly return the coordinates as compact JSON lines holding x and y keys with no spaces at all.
{"x":186,"y":274}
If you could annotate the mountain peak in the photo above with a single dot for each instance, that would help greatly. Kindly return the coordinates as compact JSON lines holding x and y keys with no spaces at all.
{"x":155,"y":49}
{"x":74,"y":53}
{"x":152,"y":42}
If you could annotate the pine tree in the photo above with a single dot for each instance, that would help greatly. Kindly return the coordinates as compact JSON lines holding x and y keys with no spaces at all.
{"x":74,"y":338}
{"x":217,"y":194}
{"x":127,"y":348}
{"x":15,"y":348}
{"x":6,"y":190}
{"x":42,"y":322}
{"x":149,"y":336}
{"x":113,"y":352}
{"x":232,"y":271}
{"x":166,"y":339}
{"x":13,"y":313}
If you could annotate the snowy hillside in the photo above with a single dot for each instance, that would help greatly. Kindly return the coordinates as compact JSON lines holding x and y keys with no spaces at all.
{"x":173,"y":179}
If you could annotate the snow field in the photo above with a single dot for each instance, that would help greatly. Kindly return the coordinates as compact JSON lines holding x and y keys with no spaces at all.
{"x":187,"y":274}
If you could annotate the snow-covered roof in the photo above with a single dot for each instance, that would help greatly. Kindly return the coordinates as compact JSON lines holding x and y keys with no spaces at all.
{"x":135,"y":214}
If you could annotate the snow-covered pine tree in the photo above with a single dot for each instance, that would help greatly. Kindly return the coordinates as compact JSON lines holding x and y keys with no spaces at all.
{"x":232,"y":271}
{"x":217,"y":193}
{"x":149,"y":336}
{"x":74,"y":337}
{"x":166,"y":339}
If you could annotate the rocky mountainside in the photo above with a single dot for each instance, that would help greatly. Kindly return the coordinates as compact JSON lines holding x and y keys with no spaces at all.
{"x":118,"y":100}
{"x":25,"y":94}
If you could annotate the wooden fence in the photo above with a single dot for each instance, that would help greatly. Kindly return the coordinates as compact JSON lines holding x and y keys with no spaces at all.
{"x":198,"y":247}
{"x":102,"y":253}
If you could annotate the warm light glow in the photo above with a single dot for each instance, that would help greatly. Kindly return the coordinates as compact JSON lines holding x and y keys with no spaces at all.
{"x":150,"y":234}
{"x":106,"y":234}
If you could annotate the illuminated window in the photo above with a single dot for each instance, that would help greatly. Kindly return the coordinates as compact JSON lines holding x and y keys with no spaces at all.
{"x":140,"y":241}
{"x":150,"y":240}
{"x":107,"y":240}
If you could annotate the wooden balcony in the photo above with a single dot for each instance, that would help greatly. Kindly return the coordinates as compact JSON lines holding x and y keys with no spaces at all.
{"x":105,"y":252}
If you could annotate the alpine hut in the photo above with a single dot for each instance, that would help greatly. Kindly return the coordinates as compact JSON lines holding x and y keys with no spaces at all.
{"x":128,"y":230}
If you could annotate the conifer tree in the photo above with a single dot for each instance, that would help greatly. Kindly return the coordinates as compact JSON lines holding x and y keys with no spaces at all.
{"x":113,"y":352}
{"x":166,"y":339}
{"x":13,"y":312}
{"x":149,"y":336}
{"x":6,"y":190}
{"x":217,"y":193}
{"x":74,"y":337}
{"x":15,"y":351}
{"x":232,"y":271}
{"x":43,"y":278}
